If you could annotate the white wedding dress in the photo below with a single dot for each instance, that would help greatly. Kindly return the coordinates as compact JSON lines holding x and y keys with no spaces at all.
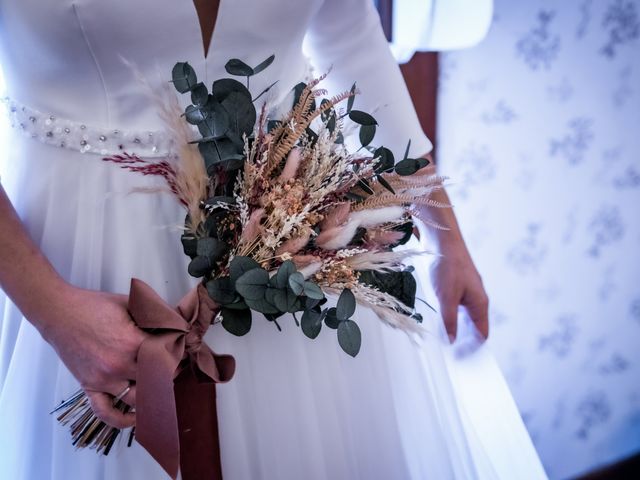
{"x":296,"y":408}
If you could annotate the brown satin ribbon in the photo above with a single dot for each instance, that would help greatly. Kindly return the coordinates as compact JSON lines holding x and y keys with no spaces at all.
{"x":176,"y":419}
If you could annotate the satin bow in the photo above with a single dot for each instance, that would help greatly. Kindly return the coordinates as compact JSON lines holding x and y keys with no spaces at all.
{"x":176,"y":419}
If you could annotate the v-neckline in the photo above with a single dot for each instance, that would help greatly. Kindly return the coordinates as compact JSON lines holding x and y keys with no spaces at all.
{"x":207,"y":19}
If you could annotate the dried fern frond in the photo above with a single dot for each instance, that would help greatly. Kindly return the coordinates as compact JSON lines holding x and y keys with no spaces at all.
{"x":384,"y":200}
{"x":289,"y":132}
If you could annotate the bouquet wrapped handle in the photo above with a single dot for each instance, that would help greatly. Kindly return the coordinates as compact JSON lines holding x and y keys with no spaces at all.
{"x":176,"y":419}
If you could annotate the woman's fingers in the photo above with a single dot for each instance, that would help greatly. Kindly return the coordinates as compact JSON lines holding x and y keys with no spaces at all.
{"x":449,"y":309}
{"x":477,"y":304}
{"x":125,"y":390}
{"x":102,"y":406}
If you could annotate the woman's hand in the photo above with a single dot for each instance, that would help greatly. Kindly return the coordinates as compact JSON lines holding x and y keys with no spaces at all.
{"x":91,"y":331}
{"x":96,"y":339}
{"x":455,"y":279}
{"x":457,"y":282}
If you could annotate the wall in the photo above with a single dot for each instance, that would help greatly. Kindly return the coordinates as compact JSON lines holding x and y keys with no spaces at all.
{"x":539,"y":129}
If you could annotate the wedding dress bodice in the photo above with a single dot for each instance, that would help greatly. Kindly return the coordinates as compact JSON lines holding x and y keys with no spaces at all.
{"x":76,"y":59}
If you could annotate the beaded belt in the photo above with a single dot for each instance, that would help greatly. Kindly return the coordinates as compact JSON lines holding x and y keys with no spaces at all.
{"x":84,"y":138}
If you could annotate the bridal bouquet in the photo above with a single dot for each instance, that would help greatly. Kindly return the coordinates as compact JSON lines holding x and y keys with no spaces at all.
{"x":279,"y":214}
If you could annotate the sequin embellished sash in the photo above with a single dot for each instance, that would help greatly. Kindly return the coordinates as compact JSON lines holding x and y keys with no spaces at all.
{"x":84,"y":138}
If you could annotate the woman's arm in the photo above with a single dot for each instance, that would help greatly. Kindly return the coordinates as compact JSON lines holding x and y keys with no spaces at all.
{"x":347,"y":36}
{"x":92,"y":332}
{"x":455,"y":279}
{"x":26,"y":275}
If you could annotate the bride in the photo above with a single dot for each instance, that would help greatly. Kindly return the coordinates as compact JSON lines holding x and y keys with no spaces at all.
{"x":72,"y":235}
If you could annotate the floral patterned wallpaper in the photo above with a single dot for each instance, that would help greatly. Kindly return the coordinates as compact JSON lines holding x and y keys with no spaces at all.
{"x":539,"y":130}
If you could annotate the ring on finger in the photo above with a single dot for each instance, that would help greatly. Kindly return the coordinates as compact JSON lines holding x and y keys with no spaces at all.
{"x":121,"y":395}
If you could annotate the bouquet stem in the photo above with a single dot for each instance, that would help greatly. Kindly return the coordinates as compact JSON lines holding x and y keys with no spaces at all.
{"x":87,"y":430}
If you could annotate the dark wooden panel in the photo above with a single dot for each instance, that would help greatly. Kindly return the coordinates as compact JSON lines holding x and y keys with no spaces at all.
{"x":421,"y":77}
{"x":385,"y":8}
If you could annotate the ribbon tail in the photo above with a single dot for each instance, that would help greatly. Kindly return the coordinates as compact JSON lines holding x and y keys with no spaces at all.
{"x":198,"y":427}
{"x":156,"y":419}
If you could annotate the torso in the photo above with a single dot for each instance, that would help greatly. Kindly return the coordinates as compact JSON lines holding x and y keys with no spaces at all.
{"x":66,"y":57}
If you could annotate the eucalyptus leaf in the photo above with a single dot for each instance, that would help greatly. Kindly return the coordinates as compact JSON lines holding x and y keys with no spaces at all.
{"x":199,"y":266}
{"x":364,"y":185}
{"x":310,"y":303}
{"x":189,"y":244}
{"x":262,"y":305}
{"x":238,"y":67}
{"x":285,"y":300}
{"x":296,"y":283}
{"x":401,"y":285}
{"x":362,"y":118}
{"x":199,"y":94}
{"x":349,"y":337}
{"x":351,"y":98}
{"x":346,"y":305}
{"x":270,"y":292}
{"x":282,"y":276}
{"x":184,"y":77}
{"x":222,"y":88}
{"x":409,"y":166}
{"x":221,"y":290}
{"x":261,"y":66}
{"x":265,"y":91}
{"x":331,"y":123}
{"x":385,"y":160}
{"x":233,"y":162}
{"x":195,"y":115}
{"x":367,"y":132}
{"x":252,"y":284}
{"x":237,"y":322}
{"x":406,"y":152}
{"x":238,"y":304}
{"x":311,"y":323}
{"x":210,"y":247}
{"x":329,"y":117}
{"x":210,"y":155}
{"x":217,"y":121}
{"x":313,"y":291}
{"x":241,"y":113}
{"x":385,"y":184}
{"x":240,"y":265}
{"x":330,"y":318}
{"x":219,"y":153}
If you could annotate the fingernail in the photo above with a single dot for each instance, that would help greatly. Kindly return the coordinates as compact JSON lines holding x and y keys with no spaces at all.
{"x":452,"y":338}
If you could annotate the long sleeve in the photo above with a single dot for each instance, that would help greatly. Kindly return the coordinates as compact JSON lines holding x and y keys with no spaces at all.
{"x":347,"y":36}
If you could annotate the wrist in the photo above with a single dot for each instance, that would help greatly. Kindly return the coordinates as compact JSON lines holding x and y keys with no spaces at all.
{"x":448,"y":243}
{"x":44,"y":309}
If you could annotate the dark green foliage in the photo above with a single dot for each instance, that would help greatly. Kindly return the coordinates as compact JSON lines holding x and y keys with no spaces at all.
{"x":401,"y":285}
{"x":237,"y":322}
{"x":349,"y":337}
{"x":183,"y":77}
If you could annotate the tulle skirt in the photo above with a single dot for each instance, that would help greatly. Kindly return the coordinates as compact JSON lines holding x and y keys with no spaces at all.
{"x":296,"y":408}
